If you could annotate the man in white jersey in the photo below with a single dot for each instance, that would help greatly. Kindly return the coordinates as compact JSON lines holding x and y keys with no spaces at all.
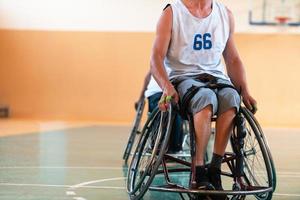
{"x":191,"y":38}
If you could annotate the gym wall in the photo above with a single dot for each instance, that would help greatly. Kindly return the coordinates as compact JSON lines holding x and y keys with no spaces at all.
{"x":86,"y":60}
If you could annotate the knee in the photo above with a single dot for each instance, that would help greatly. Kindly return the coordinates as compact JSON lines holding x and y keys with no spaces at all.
{"x":230,"y":113}
{"x":205,"y":101}
{"x":204,"y":116}
{"x":229,"y":94}
{"x":229,"y":101}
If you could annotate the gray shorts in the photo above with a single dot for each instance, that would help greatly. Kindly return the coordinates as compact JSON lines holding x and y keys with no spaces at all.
{"x":221,"y":100}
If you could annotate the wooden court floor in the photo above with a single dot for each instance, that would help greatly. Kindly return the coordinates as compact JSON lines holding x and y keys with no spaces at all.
{"x":83,"y":162}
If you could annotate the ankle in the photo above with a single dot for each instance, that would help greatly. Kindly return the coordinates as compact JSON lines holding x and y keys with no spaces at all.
{"x":201,"y":173}
{"x":216,"y":161}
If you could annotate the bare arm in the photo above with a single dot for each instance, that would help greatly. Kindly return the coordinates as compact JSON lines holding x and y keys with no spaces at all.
{"x":142,"y":94}
{"x":159,"y":51}
{"x":145,"y":84}
{"x":235,"y":68}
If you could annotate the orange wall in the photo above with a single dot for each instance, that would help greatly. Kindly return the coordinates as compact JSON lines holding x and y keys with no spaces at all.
{"x":72,"y":75}
{"x":273,"y":66}
{"x":98,"y":75}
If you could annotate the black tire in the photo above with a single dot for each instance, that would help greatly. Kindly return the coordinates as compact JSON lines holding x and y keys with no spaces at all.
{"x":149,"y":152}
{"x":132,"y":140}
{"x":259,"y":170}
{"x":268,"y":149}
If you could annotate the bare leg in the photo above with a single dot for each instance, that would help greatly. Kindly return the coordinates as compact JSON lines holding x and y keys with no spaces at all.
{"x":224,"y":127}
{"x":202,"y":123}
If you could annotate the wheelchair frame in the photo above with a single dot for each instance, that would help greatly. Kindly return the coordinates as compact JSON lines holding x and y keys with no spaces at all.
{"x":134,"y":131}
{"x":156,"y":161}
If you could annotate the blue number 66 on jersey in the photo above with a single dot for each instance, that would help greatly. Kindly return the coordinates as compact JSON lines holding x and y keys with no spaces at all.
{"x":202,"y":41}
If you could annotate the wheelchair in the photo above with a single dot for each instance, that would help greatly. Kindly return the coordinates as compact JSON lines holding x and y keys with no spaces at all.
{"x":247,"y":165}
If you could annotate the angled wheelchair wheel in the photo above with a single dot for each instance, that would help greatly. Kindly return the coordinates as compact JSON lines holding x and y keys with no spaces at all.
{"x":149,"y":152}
{"x":132,"y":140}
{"x":268,"y":149}
{"x":258,"y":166}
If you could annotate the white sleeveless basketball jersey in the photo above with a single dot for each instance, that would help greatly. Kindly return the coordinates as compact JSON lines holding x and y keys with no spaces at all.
{"x":197,"y":44}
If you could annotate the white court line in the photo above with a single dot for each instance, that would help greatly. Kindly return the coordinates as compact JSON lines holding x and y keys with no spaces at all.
{"x":96,"y":181}
{"x":70,"y":193}
{"x":291,"y":173}
{"x":60,"y":186}
{"x":33,"y":185}
{"x":290,"y":195}
{"x":288,"y":176}
{"x":61,"y":167}
{"x":103,"y":187}
{"x":79,"y":198}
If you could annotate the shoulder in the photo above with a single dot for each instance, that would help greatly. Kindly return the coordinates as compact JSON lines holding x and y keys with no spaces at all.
{"x":230,"y":14}
{"x":167,"y":11}
{"x":166,"y":16}
{"x":224,"y":9}
{"x":231,"y":19}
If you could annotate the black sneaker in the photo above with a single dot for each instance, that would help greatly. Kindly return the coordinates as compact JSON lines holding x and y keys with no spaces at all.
{"x":214,"y":176}
{"x":202,"y":183}
{"x":202,"y":179}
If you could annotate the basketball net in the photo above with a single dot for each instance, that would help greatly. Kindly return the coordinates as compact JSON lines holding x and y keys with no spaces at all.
{"x":282,"y":23}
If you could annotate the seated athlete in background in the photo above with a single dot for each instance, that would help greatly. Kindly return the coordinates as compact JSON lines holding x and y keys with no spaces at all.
{"x":152,"y":92}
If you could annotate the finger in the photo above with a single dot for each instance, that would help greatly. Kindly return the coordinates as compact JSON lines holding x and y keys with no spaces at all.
{"x":167,"y":102}
{"x":161,"y":103}
{"x":162,"y":99}
{"x":248,"y":104}
{"x":166,"y":106}
{"x":168,"y":99}
{"x":253,"y":104}
{"x":162,"y":107}
{"x":254,"y":108}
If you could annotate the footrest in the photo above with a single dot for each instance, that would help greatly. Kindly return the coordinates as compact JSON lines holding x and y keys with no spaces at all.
{"x":180,"y":189}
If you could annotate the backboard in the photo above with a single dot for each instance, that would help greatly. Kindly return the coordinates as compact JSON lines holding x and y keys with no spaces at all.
{"x":274,"y":12}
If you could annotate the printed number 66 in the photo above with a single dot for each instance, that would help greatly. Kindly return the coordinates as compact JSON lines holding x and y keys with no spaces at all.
{"x":205,"y":44}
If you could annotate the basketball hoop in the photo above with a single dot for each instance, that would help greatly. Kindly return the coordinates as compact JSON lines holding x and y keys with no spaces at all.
{"x":282,"y":20}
